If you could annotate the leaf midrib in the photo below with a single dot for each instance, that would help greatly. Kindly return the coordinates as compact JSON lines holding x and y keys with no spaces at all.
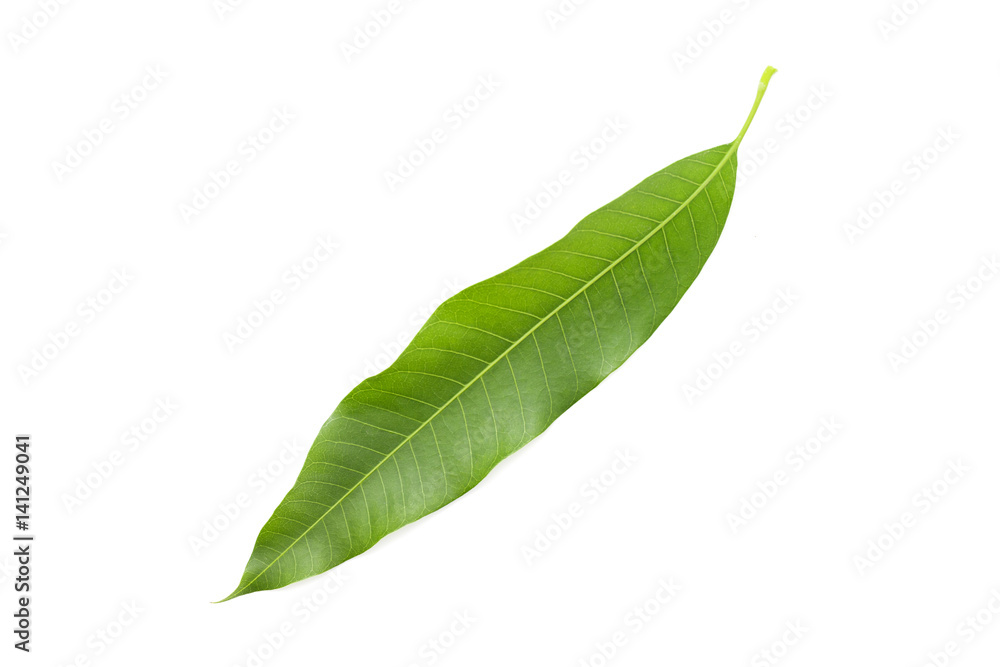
{"x":701,"y":187}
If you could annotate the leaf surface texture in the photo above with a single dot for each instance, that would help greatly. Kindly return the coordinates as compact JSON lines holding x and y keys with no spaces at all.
{"x":494,"y":366}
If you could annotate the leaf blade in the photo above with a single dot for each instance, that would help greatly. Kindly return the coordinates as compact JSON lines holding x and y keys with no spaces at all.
{"x":554,"y":321}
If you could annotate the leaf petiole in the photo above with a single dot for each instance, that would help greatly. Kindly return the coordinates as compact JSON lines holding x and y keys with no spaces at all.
{"x":761,"y":89}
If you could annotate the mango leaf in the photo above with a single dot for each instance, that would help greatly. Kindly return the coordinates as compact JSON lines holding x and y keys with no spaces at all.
{"x":494,"y":366}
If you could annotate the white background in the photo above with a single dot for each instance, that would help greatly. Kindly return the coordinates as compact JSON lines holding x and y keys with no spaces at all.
{"x":867,"y":101}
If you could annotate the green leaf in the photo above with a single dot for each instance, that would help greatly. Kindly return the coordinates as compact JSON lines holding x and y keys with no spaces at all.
{"x":494,"y":366}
